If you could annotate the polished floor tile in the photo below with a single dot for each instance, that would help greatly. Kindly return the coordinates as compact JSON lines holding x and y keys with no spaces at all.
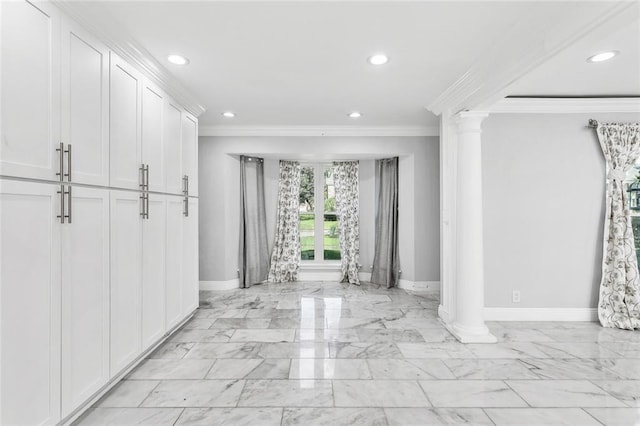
{"x":131,"y":416}
{"x":436,"y":416}
{"x":326,"y":353}
{"x":378,"y":393}
{"x":230,"y":416}
{"x":128,"y":393}
{"x":195,"y":393}
{"x":334,"y":416}
{"x":563,"y":393}
{"x":287,"y":393}
{"x":541,"y":416}
{"x":471,"y":393}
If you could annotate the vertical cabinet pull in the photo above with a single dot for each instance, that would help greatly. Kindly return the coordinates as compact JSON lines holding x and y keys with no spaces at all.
{"x":185,"y":192}
{"x":68,"y":152}
{"x":61,"y":216}
{"x":60,"y":149}
{"x":141,"y":169}
{"x":146,"y":177}
{"x":143,"y":205}
{"x":146,"y":211}
{"x":69,"y":201}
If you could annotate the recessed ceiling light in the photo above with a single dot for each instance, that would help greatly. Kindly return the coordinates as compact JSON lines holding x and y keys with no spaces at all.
{"x":355,"y":114}
{"x":178,"y":60}
{"x":379,"y":59}
{"x":228,"y":114}
{"x":603,"y":56}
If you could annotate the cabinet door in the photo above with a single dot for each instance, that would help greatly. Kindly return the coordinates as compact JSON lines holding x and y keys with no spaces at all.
{"x":29,"y":303}
{"x":190,"y":274}
{"x":190,"y":151}
{"x":30,"y":95}
{"x":85,"y":105}
{"x":85,"y":297}
{"x":126,"y":279}
{"x":153,"y":270}
{"x":125,"y":153}
{"x":173,"y":281}
{"x":173,"y":147}
{"x":152,"y":135}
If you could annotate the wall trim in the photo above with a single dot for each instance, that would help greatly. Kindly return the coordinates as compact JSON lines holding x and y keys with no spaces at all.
{"x":564,"y":105}
{"x":317,"y":131}
{"x":97,"y":21}
{"x":220,"y":285}
{"x":419,"y":285}
{"x":540,"y":314}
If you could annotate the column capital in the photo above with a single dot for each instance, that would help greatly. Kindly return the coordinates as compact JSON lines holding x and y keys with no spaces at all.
{"x":470,"y":121}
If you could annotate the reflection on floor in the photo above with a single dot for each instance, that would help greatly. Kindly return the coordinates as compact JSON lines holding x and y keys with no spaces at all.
{"x":332,"y":354}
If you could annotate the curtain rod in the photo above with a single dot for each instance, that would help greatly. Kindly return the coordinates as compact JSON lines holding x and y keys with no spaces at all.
{"x":593,"y":123}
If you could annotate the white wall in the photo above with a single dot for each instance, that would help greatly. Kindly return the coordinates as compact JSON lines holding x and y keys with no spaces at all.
{"x":419,"y":197}
{"x":543,"y":187}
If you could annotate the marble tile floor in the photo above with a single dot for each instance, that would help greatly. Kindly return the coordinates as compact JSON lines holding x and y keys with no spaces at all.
{"x":325,"y":353}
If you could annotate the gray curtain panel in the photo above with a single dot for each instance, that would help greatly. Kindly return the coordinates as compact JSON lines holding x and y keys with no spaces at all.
{"x":619,"y":304}
{"x":386,"y":262}
{"x":254,"y":251}
{"x":346,"y":179}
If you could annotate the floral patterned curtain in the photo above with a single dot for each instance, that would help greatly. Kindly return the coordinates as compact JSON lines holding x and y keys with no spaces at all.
{"x":347,"y":194}
{"x":619,"y":304}
{"x":285,"y":258}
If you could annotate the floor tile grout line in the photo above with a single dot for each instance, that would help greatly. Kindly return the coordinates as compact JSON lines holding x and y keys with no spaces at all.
{"x":178,"y":418}
{"x":149,"y":394}
{"x":591,"y":415}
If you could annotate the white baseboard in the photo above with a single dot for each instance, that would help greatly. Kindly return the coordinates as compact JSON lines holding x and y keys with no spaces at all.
{"x":540,"y":314}
{"x":220,"y":285}
{"x":419,"y":285}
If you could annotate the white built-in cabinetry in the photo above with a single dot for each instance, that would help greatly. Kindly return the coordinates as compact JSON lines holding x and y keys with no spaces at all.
{"x":98,"y":241}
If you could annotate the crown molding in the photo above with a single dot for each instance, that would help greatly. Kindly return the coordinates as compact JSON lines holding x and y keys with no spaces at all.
{"x":93,"y":17}
{"x":317,"y":131}
{"x":516,"y":53}
{"x":564,"y":105}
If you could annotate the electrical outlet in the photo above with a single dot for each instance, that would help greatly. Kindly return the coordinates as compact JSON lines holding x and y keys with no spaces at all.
{"x":516,"y":296}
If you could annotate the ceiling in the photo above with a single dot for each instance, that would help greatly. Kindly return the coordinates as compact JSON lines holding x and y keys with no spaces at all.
{"x":305,"y":63}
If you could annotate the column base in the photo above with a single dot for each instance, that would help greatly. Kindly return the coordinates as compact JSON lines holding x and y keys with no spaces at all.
{"x":471,"y":334}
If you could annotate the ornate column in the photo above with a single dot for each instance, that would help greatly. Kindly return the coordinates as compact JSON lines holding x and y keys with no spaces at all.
{"x":468,"y":325}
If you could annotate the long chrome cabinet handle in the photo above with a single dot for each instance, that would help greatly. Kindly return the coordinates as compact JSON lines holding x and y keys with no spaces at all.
{"x":142,"y":205}
{"x":187,"y":179}
{"x":141,"y":169}
{"x":185,"y":210}
{"x":61,"y":216}
{"x":69,"y":202}
{"x":60,"y":149}
{"x":146,"y":214}
{"x":68,"y":152}
{"x":146,"y":177}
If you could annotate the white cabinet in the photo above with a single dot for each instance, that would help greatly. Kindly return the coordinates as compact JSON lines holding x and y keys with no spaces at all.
{"x":30,"y":95}
{"x":153,"y":136}
{"x":85,"y":105}
{"x":190,"y":258}
{"x":87,"y":284}
{"x":173,"y":272}
{"x":153,"y":270}
{"x":85,"y":297}
{"x":126,"y":278}
{"x":29,"y":303}
{"x":190,"y":151}
{"x":173,"y":147}
{"x":125,"y":157}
